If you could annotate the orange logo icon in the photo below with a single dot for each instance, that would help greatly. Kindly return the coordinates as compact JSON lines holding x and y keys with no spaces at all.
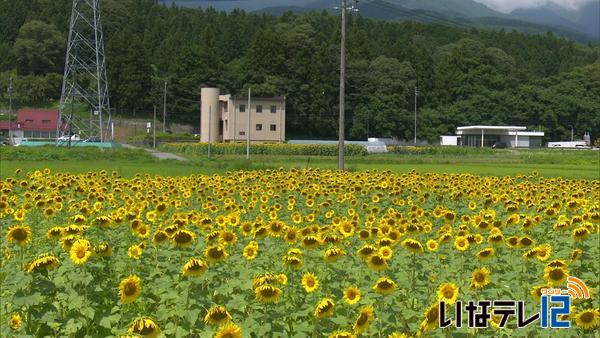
{"x":577,"y":288}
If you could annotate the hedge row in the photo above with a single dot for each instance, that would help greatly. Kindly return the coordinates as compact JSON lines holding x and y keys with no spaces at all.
{"x":412,"y":150}
{"x":53,"y":153}
{"x":263,"y":149}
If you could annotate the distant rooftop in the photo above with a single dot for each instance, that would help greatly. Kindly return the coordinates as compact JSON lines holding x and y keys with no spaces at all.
{"x":492,"y":128}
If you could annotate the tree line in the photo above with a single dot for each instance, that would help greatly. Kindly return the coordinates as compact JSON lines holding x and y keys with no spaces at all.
{"x":464,"y":75}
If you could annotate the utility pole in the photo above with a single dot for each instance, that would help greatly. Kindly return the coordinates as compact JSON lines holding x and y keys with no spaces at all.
{"x":571,"y":133}
{"x":341,"y":151}
{"x":248,"y":134}
{"x":416,"y":94}
{"x":165,"y":108}
{"x":154,"y":129}
{"x":10,"y":89}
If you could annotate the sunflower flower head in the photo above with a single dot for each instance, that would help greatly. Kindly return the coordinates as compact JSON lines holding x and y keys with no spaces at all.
{"x":217,"y":315}
{"x":145,"y":327}
{"x":130,"y":289}
{"x":324,"y":308}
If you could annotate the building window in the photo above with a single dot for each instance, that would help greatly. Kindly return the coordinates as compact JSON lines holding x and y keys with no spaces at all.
{"x":258,"y":127}
{"x":242,"y":108}
{"x":242,"y":133}
{"x":28,"y":121}
{"x":45,"y":121}
{"x":273,"y":109}
{"x":259,"y":108}
{"x":273,"y":127}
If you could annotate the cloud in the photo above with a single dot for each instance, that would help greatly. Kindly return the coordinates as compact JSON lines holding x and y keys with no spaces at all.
{"x":510,"y":5}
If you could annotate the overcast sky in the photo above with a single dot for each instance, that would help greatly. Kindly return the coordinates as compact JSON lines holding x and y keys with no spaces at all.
{"x":509,"y":5}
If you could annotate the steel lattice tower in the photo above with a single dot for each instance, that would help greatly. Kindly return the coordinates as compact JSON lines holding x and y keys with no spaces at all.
{"x":85,"y":79}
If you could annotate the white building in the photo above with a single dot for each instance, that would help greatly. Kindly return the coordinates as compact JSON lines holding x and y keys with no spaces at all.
{"x":227,"y":116}
{"x":494,"y":136}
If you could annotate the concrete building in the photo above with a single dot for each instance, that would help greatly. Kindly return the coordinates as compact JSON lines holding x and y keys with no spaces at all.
{"x":494,"y":136}
{"x":224,"y":118}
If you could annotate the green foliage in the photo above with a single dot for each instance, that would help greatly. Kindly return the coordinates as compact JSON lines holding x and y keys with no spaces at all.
{"x":52,"y":153}
{"x":465,"y":76}
{"x":35,"y":49}
{"x":264,"y":149}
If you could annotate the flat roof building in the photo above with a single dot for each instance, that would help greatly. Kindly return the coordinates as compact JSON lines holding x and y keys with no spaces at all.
{"x":495,"y":136}
{"x":224,"y":118}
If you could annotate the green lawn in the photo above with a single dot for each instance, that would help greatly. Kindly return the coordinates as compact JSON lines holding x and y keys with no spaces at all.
{"x":575,"y":164}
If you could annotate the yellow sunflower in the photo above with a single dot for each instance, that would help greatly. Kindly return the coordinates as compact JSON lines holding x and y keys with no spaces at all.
{"x":366,"y":251}
{"x":19,"y":234}
{"x":310,"y":282}
{"x":431,"y":318}
{"x":80,"y":251}
{"x":251,"y":251}
{"x":377,"y":262}
{"x":333,"y":254}
{"x":412,"y":245}
{"x":130,"y":289}
{"x":229,"y":330}
{"x":386,"y":252}
{"x":217,"y":315}
{"x":536,"y":291}
{"x":432,"y":245}
{"x":324,"y":308}
{"x":145,"y":327}
{"x":15,"y":321}
{"x":45,"y":262}
{"x":543,"y":252}
{"x":588,"y":319}
{"x":480,"y":278}
{"x":555,"y":275}
{"x":159,"y":237}
{"x":341,"y":334}
{"x":575,"y":255}
{"x":194,"y":267}
{"x":384,"y":286}
{"x":134,"y":252}
{"x":183,"y":238}
{"x":461,"y":243}
{"x":364,"y":320}
{"x":103,"y":249}
{"x":448,"y":292}
{"x":293,"y":261}
{"x":215,"y":253}
{"x":352,"y":295}
{"x":267,"y":293}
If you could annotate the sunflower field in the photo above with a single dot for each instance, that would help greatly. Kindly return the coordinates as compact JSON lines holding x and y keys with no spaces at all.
{"x":288,"y":253}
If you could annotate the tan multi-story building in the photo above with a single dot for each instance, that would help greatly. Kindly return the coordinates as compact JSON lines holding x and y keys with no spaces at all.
{"x":224,"y":118}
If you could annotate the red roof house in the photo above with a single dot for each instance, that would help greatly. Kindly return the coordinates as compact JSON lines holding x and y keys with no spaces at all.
{"x":33,"y":123}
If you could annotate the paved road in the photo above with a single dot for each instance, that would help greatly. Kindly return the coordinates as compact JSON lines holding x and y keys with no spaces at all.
{"x":158,"y":154}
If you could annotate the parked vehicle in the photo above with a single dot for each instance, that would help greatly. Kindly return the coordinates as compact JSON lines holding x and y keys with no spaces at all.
{"x":74,"y":138}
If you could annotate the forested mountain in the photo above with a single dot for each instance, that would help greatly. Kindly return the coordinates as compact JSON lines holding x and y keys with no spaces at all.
{"x":580,"y":24}
{"x":465,"y":75}
{"x":584,"y":19}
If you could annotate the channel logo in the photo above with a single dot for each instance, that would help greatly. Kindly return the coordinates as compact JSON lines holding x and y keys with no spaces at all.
{"x":555,"y":306}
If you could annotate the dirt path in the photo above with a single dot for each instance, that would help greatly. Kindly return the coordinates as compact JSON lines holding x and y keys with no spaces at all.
{"x":158,"y":154}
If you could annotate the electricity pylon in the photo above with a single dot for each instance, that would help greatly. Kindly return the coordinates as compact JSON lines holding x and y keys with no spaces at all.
{"x":85,"y":79}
